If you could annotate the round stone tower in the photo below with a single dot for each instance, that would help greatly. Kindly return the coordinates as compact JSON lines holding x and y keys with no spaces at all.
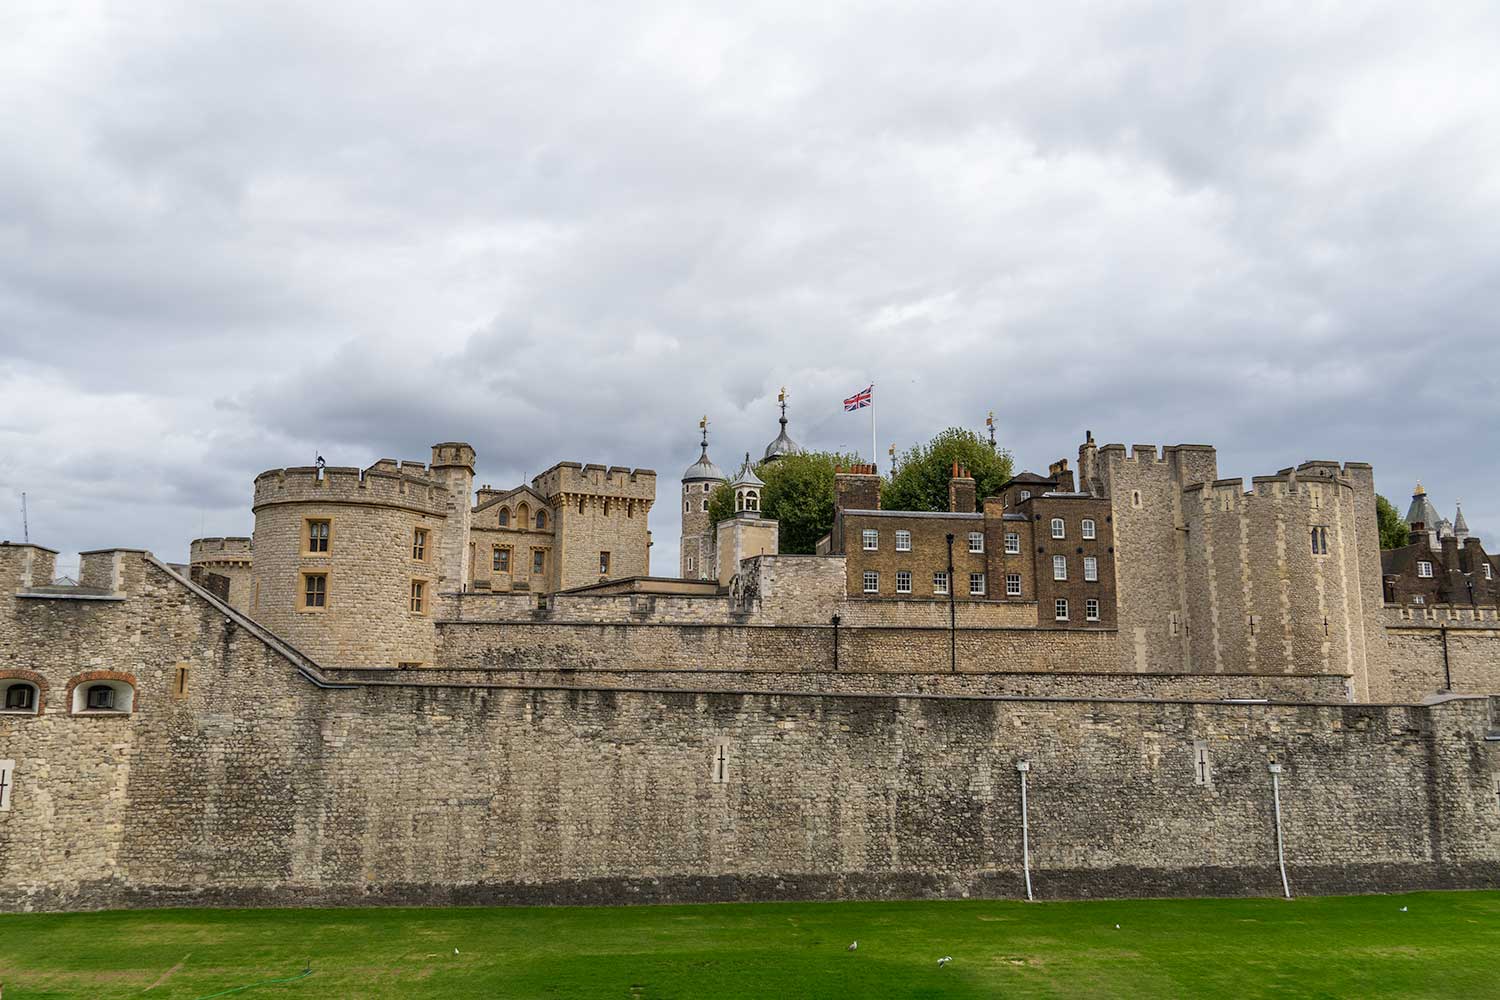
{"x":348,"y":564}
{"x":696,"y":556}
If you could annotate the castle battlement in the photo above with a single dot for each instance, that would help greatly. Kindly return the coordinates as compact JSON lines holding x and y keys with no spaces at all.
{"x":231,"y":549}
{"x":577,"y":479}
{"x":387,"y":482}
{"x":1148,"y":452}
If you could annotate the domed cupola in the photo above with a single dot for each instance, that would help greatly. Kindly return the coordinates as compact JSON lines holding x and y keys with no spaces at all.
{"x":748,"y":489}
{"x":783,"y":445}
{"x":703,"y":470}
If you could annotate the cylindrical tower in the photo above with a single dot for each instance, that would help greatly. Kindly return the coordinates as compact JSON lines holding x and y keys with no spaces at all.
{"x":223,"y":565}
{"x":347,"y":563}
{"x":696,"y":556}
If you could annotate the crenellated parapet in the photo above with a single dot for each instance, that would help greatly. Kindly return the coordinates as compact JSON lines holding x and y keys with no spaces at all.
{"x":220,"y":550}
{"x":408,"y":485}
{"x":573,"y":479}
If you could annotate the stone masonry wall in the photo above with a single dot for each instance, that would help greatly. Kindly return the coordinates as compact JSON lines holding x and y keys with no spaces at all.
{"x":1316,"y":688}
{"x":257,"y":786}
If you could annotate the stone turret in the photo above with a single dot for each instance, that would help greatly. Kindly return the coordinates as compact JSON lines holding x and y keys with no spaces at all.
{"x":699,"y":480}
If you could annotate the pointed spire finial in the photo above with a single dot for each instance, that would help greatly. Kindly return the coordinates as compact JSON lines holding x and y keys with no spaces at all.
{"x":703,"y":426}
{"x":1419,"y":492}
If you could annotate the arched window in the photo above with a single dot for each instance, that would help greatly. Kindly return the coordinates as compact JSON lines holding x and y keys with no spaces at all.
{"x":541,"y":519}
{"x":504,"y":517}
{"x":523,"y":516}
{"x":21,"y":698}
{"x":1058,"y":529}
{"x":102,"y":694}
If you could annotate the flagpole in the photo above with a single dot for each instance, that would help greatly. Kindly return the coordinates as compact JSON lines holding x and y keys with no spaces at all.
{"x":874,"y":449}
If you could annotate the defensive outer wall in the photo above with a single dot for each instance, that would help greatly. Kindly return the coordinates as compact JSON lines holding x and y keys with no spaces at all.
{"x":256,"y":778}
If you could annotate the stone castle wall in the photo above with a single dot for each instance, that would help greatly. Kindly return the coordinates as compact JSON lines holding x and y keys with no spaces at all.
{"x":1328,"y":688}
{"x":259,"y":784}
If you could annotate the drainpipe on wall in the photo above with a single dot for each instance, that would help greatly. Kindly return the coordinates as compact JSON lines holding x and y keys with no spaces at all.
{"x":1447,"y":673}
{"x":952,"y":613}
{"x":1280,"y":853}
{"x":1023,"y":766}
{"x":835,"y":642}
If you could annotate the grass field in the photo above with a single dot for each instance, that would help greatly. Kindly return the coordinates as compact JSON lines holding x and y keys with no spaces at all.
{"x":1443,"y":945}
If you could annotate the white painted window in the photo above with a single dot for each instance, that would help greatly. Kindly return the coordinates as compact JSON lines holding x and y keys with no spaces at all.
{"x":903,"y":581}
{"x":976,"y":584}
{"x":940,"y":582}
{"x":872,"y":582}
{"x":1091,"y":609}
{"x":102,"y":698}
{"x":721,"y":761}
{"x":1012,"y":542}
{"x":1025,"y":494}
{"x":976,"y":541}
{"x":1489,"y":571}
{"x":871,"y":539}
{"x":1059,"y":529}
{"x":1059,"y":567}
{"x":7,"y":778}
{"x":1013,"y":585}
{"x":1062,"y":609}
{"x":903,"y":541}
{"x":1424,"y":569}
{"x":1091,"y":569}
{"x":1202,"y":771}
{"x":1419,"y":599}
{"x":1089,"y":528}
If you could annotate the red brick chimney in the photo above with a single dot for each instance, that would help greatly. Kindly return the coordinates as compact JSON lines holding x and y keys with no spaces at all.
{"x":961,"y":491}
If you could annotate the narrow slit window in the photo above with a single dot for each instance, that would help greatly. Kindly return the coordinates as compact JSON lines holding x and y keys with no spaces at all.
{"x":7,"y":779}
{"x":721,"y":762}
{"x":180,"y":681}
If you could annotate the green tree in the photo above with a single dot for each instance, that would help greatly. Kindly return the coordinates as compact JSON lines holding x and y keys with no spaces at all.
{"x":798,"y":495}
{"x":921,"y":480}
{"x":1394,"y":532}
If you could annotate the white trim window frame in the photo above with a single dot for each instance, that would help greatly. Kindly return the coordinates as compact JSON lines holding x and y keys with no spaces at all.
{"x":1089,"y":529}
{"x":1091,"y":569}
{"x":903,"y":541}
{"x":903,"y":581}
{"x":1013,"y":585}
{"x":1012,"y":543}
{"x":1059,"y":567}
{"x":872,"y":581}
{"x":1059,"y":528}
{"x":940,"y":582}
{"x":976,"y":585}
{"x":1424,"y":569}
{"x":870,"y":539}
{"x":976,"y":541}
{"x":1060,"y":607}
{"x":1091,"y":609}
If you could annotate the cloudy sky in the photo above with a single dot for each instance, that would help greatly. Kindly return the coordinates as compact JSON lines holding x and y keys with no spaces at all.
{"x":236,"y":236}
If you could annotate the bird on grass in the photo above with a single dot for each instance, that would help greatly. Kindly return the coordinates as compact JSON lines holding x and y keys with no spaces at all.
{"x":455,"y":951}
{"x":1403,"y":909}
{"x":1117,"y":926}
{"x":944,"y":960}
{"x":852,"y":946}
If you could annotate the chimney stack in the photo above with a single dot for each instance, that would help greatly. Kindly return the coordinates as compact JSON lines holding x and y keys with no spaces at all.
{"x":961,"y":491}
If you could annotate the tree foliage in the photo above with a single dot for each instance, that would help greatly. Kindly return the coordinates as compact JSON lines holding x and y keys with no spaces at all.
{"x":798,"y":494}
{"x":1394,"y":532}
{"x":921,"y":480}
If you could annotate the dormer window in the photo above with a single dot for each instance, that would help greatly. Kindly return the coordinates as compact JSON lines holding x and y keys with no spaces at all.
{"x":1025,"y":494}
{"x":1424,"y":569}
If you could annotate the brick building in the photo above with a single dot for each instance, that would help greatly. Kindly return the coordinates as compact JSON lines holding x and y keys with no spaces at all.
{"x":1442,"y":564}
{"x":1040,"y":543}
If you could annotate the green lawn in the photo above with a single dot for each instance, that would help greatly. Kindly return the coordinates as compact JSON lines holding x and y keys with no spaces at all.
{"x":1445,"y":945}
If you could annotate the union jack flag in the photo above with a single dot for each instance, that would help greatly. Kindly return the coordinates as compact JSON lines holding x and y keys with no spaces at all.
{"x":865,"y":397}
